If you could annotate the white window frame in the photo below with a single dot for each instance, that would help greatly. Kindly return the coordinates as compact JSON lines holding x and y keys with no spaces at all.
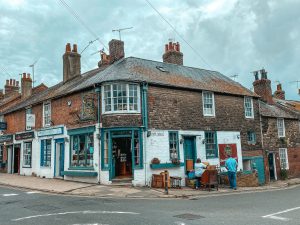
{"x":127,"y":97}
{"x":2,"y":119}
{"x":213,"y":104}
{"x":27,"y":111}
{"x":25,"y":153}
{"x":280,"y":129}
{"x":283,"y":156}
{"x":246,"y":107}
{"x":44,"y":116}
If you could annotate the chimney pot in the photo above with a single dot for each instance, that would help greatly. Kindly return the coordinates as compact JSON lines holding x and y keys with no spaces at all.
{"x":10,"y":82}
{"x":14,"y":83}
{"x":17,"y":83}
{"x":7,"y":82}
{"x":166,"y":47}
{"x":28,"y":75}
{"x":74,"y":48}
{"x":68,"y":47}
{"x":279,"y":88}
{"x":24,"y":75}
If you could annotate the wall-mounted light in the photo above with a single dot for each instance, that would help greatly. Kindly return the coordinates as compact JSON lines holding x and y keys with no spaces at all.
{"x":238,"y":136}
{"x":203,"y":141}
{"x":181,"y":140}
{"x":69,"y":103}
{"x":66,"y":139}
{"x":148,"y":133}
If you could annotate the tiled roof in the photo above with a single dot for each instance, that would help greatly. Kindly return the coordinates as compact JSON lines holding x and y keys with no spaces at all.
{"x":55,"y":91}
{"x":141,"y":70}
{"x":153,"y":72}
{"x":277,"y":111}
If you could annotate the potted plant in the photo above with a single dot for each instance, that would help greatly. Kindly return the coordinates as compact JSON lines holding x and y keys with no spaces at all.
{"x":175,"y":161}
{"x":155,"y":161}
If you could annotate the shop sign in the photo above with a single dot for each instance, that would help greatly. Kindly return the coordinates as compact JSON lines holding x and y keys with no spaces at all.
{"x":6,"y":138}
{"x":3,"y":125}
{"x":50,"y":132}
{"x":26,"y":135}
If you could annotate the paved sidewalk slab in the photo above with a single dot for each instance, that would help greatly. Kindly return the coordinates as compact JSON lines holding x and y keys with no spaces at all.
{"x":86,"y":189}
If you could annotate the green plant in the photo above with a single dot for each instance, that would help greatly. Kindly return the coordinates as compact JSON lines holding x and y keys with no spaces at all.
{"x":284,"y":174}
{"x":155,"y":161}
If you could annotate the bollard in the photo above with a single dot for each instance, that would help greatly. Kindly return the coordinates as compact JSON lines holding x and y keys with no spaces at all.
{"x":166,"y":183}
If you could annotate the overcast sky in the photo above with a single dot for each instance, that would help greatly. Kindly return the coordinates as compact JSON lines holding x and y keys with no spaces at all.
{"x":232,"y":36}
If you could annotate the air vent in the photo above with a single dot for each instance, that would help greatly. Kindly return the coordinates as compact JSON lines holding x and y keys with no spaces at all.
{"x":160,"y":68}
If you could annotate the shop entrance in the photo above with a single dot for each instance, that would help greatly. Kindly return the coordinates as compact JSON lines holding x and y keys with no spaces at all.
{"x":59,"y":157}
{"x":272,"y":166}
{"x":16,"y":159}
{"x":122,"y":157}
{"x":189,"y":148}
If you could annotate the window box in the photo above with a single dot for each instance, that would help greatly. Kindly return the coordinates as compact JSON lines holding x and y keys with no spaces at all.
{"x":80,"y":173}
{"x":165,"y":165}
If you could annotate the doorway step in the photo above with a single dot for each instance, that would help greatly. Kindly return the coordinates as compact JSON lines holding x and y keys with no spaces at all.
{"x":119,"y":181}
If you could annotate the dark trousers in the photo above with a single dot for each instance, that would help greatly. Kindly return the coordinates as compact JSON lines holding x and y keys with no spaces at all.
{"x":232,"y":179}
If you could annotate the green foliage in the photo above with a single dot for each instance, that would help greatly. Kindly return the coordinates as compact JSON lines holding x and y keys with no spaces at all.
{"x":284,"y":174}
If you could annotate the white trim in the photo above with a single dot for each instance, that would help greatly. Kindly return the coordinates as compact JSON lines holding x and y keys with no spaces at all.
{"x":252,"y":111}
{"x":286,"y":158}
{"x":283,"y":127}
{"x":44,"y":103}
{"x":213,"y":104}
{"x":138,"y":111}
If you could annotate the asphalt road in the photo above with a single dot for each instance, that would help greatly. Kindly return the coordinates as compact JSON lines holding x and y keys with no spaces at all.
{"x":271,"y":207}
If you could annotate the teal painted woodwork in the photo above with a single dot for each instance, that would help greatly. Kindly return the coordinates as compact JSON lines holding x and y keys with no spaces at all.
{"x":80,"y":173}
{"x":83,"y":130}
{"x":165,"y":165}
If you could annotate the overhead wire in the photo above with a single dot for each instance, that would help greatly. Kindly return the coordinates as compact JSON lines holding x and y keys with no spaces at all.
{"x":78,"y":18}
{"x":179,"y":35}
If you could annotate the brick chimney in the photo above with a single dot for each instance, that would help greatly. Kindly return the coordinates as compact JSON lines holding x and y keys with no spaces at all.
{"x":105,"y":59}
{"x":71,"y":63}
{"x":116,"y":50}
{"x":11,"y":87}
{"x":172,"y":54}
{"x":262,"y":86}
{"x":279,"y":93}
{"x":1,"y":94}
{"x":26,"y":85}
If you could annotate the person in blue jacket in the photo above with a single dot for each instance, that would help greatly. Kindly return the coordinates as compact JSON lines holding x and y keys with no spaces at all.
{"x":231,"y":166}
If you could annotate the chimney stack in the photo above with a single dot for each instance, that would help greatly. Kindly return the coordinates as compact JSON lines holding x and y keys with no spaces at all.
{"x":262,"y":86}
{"x":1,"y":94}
{"x":279,"y":93}
{"x":172,"y":54}
{"x":71,"y":63}
{"x":26,"y":85}
{"x":116,"y":50}
{"x":11,"y":87}
{"x":105,"y":59}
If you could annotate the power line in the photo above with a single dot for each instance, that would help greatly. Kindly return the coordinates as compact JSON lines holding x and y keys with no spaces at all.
{"x":179,"y":35}
{"x":77,"y":17}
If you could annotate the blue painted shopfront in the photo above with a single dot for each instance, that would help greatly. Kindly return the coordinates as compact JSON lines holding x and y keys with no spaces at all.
{"x":257,"y":162}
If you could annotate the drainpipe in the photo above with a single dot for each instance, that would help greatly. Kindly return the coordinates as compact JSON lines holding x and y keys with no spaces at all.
{"x":98,"y":91}
{"x":145,"y":124}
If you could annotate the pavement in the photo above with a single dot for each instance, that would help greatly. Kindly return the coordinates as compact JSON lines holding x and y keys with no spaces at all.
{"x":59,"y":186}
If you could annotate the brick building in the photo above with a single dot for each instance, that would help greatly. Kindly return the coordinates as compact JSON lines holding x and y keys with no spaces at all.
{"x":280,"y":127}
{"x":130,"y":111}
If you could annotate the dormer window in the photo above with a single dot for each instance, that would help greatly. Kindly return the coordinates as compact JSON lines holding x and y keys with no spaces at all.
{"x":121,"y":98}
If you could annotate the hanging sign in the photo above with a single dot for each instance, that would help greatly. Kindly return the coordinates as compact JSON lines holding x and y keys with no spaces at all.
{"x":6,"y":138}
{"x":3,"y":126}
{"x":30,"y":120}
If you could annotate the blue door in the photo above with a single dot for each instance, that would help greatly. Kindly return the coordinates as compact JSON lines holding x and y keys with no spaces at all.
{"x":61,"y":158}
{"x":259,"y":163}
{"x":189,"y":149}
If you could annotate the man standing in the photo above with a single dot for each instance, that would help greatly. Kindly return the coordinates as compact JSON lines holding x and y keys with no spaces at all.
{"x":231,"y":166}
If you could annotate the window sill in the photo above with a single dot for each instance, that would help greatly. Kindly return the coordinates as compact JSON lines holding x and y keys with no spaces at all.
{"x":80,"y":173}
{"x":212,"y":157}
{"x":165,"y":165}
{"x":81,"y":168}
{"x":210,"y":116}
{"x":121,"y":113}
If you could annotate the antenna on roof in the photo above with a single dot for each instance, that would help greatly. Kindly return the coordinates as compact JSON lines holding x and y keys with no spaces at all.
{"x":120,"y":30}
{"x":101,"y":50}
{"x":297,"y":82}
{"x":32,"y":66}
{"x":277,"y":82}
{"x":234,"y":76}
{"x":90,"y":42}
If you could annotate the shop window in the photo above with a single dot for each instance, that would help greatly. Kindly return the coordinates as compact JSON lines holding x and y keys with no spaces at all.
{"x":47,"y":114}
{"x":208,"y":104}
{"x":27,"y":154}
{"x":46,"y":152}
{"x":211,"y":146}
{"x":173,"y":145}
{"x":248,"y":105}
{"x":251,"y":136}
{"x":119,"y":98}
{"x":284,"y":164}
{"x":280,"y":127}
{"x":82,"y":150}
